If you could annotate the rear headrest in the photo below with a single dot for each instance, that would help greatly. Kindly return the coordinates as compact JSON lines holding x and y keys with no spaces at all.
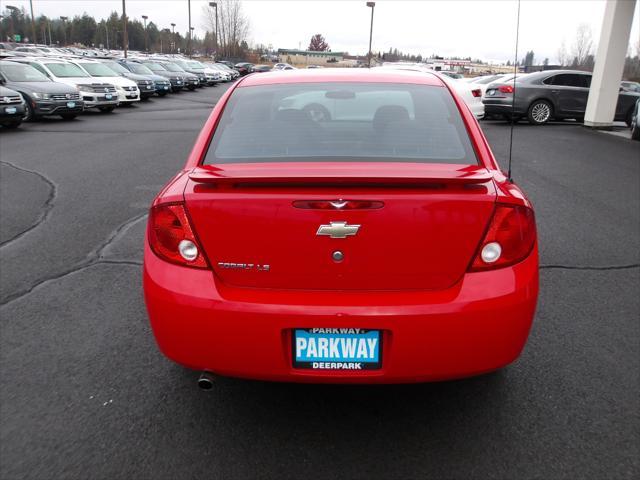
{"x":387,"y":114}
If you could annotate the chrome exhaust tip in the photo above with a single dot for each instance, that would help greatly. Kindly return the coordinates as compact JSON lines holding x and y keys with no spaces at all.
{"x":205,"y":382}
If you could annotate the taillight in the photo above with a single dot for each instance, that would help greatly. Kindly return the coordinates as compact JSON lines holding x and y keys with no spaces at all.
{"x":505,"y":88}
{"x":476,"y":93}
{"x":172,"y":238}
{"x":509,"y":238}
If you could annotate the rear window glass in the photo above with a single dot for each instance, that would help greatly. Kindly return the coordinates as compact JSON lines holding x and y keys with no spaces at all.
{"x":341,"y":122}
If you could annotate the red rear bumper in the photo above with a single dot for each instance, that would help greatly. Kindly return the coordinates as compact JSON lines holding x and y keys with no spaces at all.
{"x":480,"y":324}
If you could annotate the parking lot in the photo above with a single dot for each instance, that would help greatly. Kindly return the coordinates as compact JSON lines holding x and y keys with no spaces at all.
{"x":85,"y":393}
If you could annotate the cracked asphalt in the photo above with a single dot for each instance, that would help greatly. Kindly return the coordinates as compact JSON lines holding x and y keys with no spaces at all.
{"x":84,"y":392}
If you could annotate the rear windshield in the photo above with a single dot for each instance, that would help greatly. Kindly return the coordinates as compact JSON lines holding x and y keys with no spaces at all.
{"x":341,"y":122}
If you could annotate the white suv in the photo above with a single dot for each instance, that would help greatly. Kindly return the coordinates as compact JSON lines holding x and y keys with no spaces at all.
{"x":127,"y":89}
{"x":100,"y":95}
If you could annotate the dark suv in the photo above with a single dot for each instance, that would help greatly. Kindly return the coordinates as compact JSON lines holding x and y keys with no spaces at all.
{"x":11,"y":108}
{"x":145,"y":84}
{"x":42,"y":95}
{"x":178,"y":81}
{"x":162,"y":84}
{"x":551,"y":94}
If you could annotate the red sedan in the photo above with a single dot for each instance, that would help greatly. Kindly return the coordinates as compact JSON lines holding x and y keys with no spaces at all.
{"x":341,"y":226}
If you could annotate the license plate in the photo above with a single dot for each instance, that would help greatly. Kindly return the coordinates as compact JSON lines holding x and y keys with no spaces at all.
{"x":71,"y":104}
{"x":132,"y":95}
{"x":108,"y":96}
{"x":166,"y":88}
{"x":337,"y":349}
{"x":10,"y":110}
{"x":491,"y":93}
{"x":179,"y":82}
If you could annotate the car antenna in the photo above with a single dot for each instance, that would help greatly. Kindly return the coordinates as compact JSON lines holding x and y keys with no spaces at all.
{"x":513,"y":100}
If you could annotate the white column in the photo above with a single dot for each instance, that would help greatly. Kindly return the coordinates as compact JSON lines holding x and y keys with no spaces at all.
{"x":612,"y":50}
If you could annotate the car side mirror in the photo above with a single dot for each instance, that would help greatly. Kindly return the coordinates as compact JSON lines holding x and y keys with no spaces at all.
{"x":2,"y":81}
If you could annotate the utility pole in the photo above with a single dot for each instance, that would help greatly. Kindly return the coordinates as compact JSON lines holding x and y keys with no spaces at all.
{"x":64,"y":29}
{"x":12,"y":33}
{"x":49,"y":28}
{"x":106,"y":31}
{"x":173,"y":37}
{"x":33,"y":24}
{"x":189,"y":41}
{"x":373,"y":6}
{"x":144,"y":17}
{"x":215,"y":40}
{"x":125,"y":38}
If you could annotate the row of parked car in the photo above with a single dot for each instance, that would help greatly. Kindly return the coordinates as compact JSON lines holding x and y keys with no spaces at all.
{"x":551,"y":95}
{"x":65,"y":86}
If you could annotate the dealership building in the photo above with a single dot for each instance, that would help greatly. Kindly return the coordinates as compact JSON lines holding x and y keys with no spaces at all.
{"x":308,"y":57}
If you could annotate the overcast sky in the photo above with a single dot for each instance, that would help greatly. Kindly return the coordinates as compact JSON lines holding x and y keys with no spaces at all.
{"x":482,"y":29}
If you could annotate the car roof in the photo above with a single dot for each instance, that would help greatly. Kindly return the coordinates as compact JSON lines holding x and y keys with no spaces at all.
{"x":386,"y":75}
{"x":38,"y":59}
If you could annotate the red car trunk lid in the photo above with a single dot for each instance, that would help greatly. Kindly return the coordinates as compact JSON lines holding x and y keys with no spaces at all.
{"x":405,"y":226}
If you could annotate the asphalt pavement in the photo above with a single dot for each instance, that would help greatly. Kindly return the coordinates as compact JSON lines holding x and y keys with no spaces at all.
{"x":84,"y":392}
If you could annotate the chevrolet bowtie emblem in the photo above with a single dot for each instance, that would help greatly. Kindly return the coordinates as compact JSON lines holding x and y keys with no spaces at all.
{"x":337,"y":230}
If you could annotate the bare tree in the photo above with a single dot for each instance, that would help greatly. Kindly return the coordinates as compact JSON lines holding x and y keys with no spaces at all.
{"x":582,"y":45}
{"x":563,"y":56}
{"x":233,"y":26}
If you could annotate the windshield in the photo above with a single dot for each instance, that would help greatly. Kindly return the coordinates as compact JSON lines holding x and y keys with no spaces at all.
{"x":156,"y":67}
{"x":116,"y":67}
{"x":140,"y":69}
{"x":195,"y":64}
{"x":66,"y":70}
{"x":98,"y":70}
{"x":23,"y":73}
{"x":172,"y":67}
{"x":341,"y":122}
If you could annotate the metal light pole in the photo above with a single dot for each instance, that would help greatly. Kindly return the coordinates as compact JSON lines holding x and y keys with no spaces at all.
{"x":190,"y":29}
{"x":373,"y":6}
{"x":125,"y":37}
{"x":106,"y":31}
{"x":64,"y":29}
{"x":33,"y":23}
{"x":12,"y":9}
{"x":173,"y":37}
{"x":215,"y":44}
{"x":145,"y":17}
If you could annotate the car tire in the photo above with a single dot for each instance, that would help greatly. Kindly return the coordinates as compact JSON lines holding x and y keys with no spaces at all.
{"x":317,"y":112}
{"x":29,"y":114}
{"x":508,"y":118}
{"x":108,"y":109}
{"x":540,"y":112}
{"x":635,"y":129}
{"x":68,"y":116}
{"x":628,"y":119}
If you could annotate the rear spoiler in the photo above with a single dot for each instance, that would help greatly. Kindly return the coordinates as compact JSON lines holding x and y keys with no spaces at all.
{"x":383,"y":174}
